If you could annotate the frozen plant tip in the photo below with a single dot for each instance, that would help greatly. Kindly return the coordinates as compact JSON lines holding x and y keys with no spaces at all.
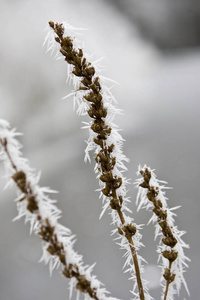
{"x":35,"y":205}
{"x":151,"y":196}
{"x":95,"y":99}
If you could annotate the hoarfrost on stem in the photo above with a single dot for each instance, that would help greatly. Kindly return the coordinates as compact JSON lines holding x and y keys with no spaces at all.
{"x":45,"y":214}
{"x":113,"y":140}
{"x":179,"y":265}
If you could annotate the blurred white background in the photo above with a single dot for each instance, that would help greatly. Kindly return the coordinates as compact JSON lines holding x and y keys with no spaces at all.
{"x":151,"y":48}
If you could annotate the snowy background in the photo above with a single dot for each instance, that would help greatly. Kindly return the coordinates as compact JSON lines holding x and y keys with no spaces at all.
{"x":152,"y":51}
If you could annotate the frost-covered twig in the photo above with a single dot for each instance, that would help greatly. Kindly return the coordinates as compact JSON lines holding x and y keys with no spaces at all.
{"x":170,"y":249}
{"x":94,"y":98}
{"x":39,"y":210}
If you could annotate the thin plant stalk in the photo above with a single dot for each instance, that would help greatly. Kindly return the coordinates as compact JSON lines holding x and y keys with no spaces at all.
{"x":105,"y":158}
{"x":151,"y":196}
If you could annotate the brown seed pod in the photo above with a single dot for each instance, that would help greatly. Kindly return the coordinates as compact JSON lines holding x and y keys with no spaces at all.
{"x":170,"y":255}
{"x":114,"y":204}
{"x":98,"y":142}
{"x":129,"y":229}
{"x":20,"y":179}
{"x":77,"y":72}
{"x":32,"y":204}
{"x":90,"y":71}
{"x":106,"y":177}
{"x":106,"y":190}
{"x":51,"y":24}
{"x":169,"y":241}
{"x":144,"y":185}
{"x":96,"y":127}
{"x":86,"y":82}
{"x":167,"y":274}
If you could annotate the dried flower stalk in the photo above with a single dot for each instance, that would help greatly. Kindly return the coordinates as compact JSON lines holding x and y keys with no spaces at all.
{"x":105,"y":158}
{"x":151,"y":196}
{"x":37,"y":207}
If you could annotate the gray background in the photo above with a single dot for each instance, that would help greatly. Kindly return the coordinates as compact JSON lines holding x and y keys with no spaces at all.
{"x":151,"y":49}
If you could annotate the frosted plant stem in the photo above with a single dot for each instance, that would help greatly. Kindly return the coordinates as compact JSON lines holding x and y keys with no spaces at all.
{"x":3,"y":142}
{"x":168,"y":282}
{"x":29,"y":193}
{"x":171,"y":246}
{"x":105,"y":138}
{"x":42,"y":215}
{"x":134,"y":256}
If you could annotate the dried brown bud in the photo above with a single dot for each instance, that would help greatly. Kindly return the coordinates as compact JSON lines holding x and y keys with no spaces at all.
{"x":91,"y":97}
{"x":77,"y":72}
{"x":20,"y":179}
{"x":97,"y":83}
{"x":151,"y":196}
{"x":168,"y":276}
{"x":82,"y":284}
{"x":90,"y":71}
{"x":129,"y":230}
{"x":114,"y":204}
{"x":101,"y":157}
{"x":111,"y":148}
{"x":67,"y":44}
{"x":144,"y":185}
{"x":67,"y":273}
{"x":146,"y":178}
{"x":51,"y":24}
{"x":163,"y":224}
{"x":102,"y":112}
{"x":86,"y":82}
{"x":92,"y":113}
{"x":62,"y":258}
{"x":57,"y":39}
{"x":80,"y":52}
{"x":46,"y":231}
{"x":169,"y":241}
{"x":96,"y":127}
{"x":160,"y":213}
{"x":106,"y":190}
{"x":106,"y":177}
{"x":98,"y":142}
{"x":32,"y":205}
{"x":147,"y":174}
{"x":170,"y":255}
{"x":99,"y":97}
{"x":51,"y":249}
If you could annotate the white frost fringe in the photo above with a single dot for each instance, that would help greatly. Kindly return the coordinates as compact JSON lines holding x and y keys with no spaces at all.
{"x":47,"y":209}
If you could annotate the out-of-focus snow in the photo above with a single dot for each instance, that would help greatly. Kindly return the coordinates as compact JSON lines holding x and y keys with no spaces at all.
{"x":160,"y":98}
